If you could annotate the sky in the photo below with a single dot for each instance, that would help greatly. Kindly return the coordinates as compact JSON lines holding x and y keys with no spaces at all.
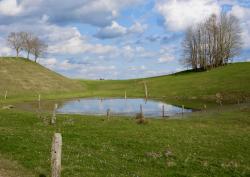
{"x":114,"y":39}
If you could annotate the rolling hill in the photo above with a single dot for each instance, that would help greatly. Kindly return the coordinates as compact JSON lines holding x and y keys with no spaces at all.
{"x":231,"y":81}
{"x":24,"y":79}
{"x":20,"y":76}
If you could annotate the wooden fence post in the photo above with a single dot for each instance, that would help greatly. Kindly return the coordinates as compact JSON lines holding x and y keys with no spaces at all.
{"x":56,"y":155}
{"x":108,"y":113}
{"x":53,"y":119}
{"x":141,"y":111}
{"x":205,"y":107}
{"x":6,"y":94}
{"x":163,"y":110}
{"x":182,"y":109}
{"x":39,"y":101}
{"x":125,"y":95}
{"x":146,"y":90}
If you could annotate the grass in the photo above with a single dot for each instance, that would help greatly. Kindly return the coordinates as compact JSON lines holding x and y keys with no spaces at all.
{"x":212,"y":143}
{"x":10,"y":168}
{"x":22,"y":77}
{"x":206,"y":144}
{"x":190,"y":88}
{"x":25,"y":79}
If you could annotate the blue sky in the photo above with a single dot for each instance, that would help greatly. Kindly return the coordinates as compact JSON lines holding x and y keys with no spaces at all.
{"x":114,"y":39}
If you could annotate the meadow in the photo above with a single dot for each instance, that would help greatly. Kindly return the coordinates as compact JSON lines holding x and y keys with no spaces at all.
{"x":213,"y":142}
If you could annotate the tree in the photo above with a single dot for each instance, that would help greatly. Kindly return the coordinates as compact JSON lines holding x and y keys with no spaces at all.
{"x":212,"y":43}
{"x":38,"y":48}
{"x":15,"y":41}
{"x":28,"y":40}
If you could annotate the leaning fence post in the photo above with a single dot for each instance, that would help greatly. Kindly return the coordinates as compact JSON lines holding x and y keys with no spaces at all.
{"x":6,"y":94}
{"x":56,"y":155}
{"x":163,"y":111}
{"x":53,"y":119}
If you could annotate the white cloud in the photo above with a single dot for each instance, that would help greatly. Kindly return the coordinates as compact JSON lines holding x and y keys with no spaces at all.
{"x":179,"y":14}
{"x":94,"y":12}
{"x":137,"y":28}
{"x":112,"y":31}
{"x":10,"y":7}
{"x":137,"y":68}
{"x":5,"y":51}
{"x":48,"y":62}
{"x":166,"y":58}
{"x":167,"y":54}
{"x":116,"y":30}
{"x":243,"y":14}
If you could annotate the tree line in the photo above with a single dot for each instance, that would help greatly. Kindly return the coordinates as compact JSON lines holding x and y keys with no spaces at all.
{"x":212,"y":43}
{"x":28,"y":42}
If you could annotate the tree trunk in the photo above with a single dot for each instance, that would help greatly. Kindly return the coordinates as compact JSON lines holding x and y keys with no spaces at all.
{"x":28,"y":55}
{"x":17,"y":52}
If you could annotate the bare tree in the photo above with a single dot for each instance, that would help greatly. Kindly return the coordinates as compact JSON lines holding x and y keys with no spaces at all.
{"x":38,"y":48}
{"x":15,"y":41}
{"x":212,"y":43}
{"x":28,"y":40}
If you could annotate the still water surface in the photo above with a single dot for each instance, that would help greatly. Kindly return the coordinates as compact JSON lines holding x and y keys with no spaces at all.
{"x":126,"y":107}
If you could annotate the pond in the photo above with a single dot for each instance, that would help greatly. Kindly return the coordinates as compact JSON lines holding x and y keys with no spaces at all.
{"x":117,"y":106}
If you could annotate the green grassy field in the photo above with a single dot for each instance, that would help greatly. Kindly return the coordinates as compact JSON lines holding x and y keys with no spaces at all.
{"x":205,"y":144}
{"x":212,"y":143}
{"x":191,"y":88}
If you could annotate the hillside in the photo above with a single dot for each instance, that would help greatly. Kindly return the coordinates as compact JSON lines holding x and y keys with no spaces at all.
{"x":20,"y":76}
{"x":24,"y":79}
{"x":232,"y":81}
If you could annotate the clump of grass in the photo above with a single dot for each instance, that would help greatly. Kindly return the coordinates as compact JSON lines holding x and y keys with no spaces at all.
{"x":140,"y":119}
{"x":219,"y":98}
{"x":139,"y":116}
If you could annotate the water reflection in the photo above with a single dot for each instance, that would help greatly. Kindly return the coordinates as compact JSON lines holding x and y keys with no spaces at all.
{"x":127,"y":107}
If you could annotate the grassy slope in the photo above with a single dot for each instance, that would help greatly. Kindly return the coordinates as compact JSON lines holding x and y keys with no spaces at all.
{"x":23,"y":77}
{"x":191,"y":87}
{"x":206,"y":144}
{"x":24,"y":80}
{"x":215,"y":145}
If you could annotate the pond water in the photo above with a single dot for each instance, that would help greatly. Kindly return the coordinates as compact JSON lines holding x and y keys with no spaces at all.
{"x":126,"y":107}
{"x":97,"y":106}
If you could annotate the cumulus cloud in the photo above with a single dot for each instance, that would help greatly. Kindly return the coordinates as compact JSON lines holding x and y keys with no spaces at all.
{"x":48,"y":62}
{"x":166,"y":58}
{"x":243,"y":14}
{"x":60,"y":39}
{"x":112,"y":31}
{"x":94,"y":12}
{"x":167,"y":54}
{"x":137,"y":28}
{"x":116,"y":30}
{"x":179,"y":14}
{"x":10,"y":7}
